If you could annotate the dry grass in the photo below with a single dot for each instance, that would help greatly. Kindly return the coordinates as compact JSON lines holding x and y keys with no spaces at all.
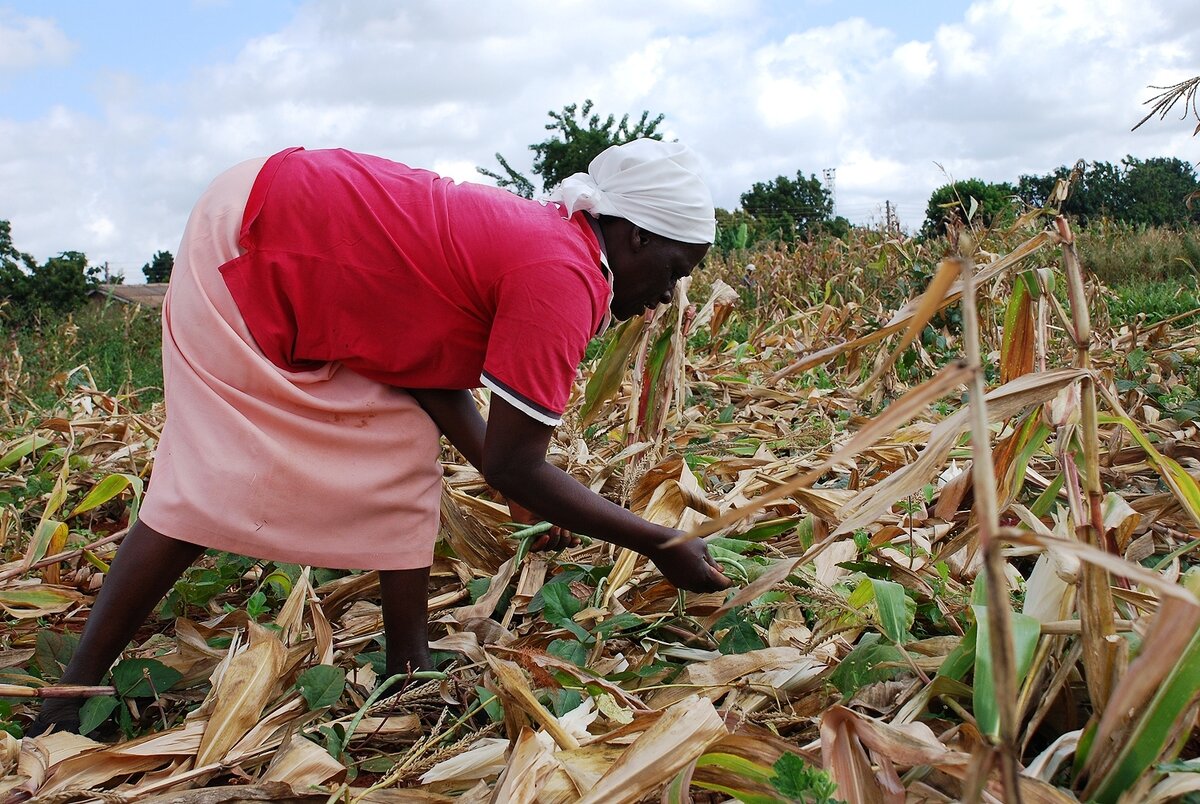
{"x":821,"y":440}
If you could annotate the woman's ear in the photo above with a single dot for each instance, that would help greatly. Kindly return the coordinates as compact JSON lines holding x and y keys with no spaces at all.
{"x":639,"y":238}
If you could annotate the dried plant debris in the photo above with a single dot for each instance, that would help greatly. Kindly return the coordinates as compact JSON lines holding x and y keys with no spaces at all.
{"x":960,"y":506}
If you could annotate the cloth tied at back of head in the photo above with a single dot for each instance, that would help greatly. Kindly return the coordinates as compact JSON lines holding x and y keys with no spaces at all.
{"x":655,"y":185}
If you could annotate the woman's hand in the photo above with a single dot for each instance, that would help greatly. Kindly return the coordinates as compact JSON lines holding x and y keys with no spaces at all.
{"x":688,"y":565}
{"x":552,"y":540}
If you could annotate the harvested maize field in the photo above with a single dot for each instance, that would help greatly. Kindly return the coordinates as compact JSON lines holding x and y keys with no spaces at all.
{"x":958,"y":501}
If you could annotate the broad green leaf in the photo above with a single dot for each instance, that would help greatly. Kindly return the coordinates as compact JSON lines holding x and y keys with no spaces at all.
{"x":1148,"y":740}
{"x":52,"y":652}
{"x":22,"y":448}
{"x":570,"y":649}
{"x":560,"y":604}
{"x":606,"y":377}
{"x":490,"y":703}
{"x":321,"y":686}
{"x":95,"y":711}
{"x":871,"y":660}
{"x":107,"y":489}
{"x":143,"y":678}
{"x":892,"y":603}
{"x":740,"y":635}
{"x":1026,"y":632}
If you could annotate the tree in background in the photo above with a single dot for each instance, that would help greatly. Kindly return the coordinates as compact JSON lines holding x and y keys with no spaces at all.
{"x":786,"y":208}
{"x":61,"y":284}
{"x":971,"y":200}
{"x":15,"y":270}
{"x":579,"y":135}
{"x":159,"y":268}
{"x":1151,"y":192}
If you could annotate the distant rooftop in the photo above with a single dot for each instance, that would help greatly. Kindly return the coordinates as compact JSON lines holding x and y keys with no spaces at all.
{"x":147,"y":295}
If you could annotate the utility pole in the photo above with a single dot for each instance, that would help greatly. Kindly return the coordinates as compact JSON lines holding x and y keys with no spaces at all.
{"x":830,"y":175}
{"x":891,"y":221}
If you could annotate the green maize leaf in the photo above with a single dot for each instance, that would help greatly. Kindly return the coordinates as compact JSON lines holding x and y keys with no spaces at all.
{"x":23,"y":447}
{"x":1045,"y":501}
{"x":37,"y":601}
{"x":1026,"y":632}
{"x":58,"y":495}
{"x":1158,"y":725}
{"x":610,"y":369}
{"x":47,"y":531}
{"x":321,"y":686}
{"x":654,"y":384}
{"x":622,"y":622}
{"x":769,"y":530}
{"x":1033,"y":438}
{"x":736,"y":764}
{"x":960,"y":660}
{"x":1182,"y":485}
{"x":107,"y":489}
{"x":676,"y":792}
{"x":280,"y":579}
{"x":894,"y":616}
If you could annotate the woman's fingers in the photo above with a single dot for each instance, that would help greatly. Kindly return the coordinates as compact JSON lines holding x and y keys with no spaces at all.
{"x":555,"y":539}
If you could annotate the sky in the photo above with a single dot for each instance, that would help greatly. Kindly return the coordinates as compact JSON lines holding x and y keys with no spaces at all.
{"x":114,"y":116}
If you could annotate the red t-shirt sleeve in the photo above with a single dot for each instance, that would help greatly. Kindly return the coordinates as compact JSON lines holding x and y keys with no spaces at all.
{"x":545,"y":315}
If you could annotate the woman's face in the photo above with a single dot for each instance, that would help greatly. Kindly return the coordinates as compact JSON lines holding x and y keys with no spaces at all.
{"x":645,"y":269}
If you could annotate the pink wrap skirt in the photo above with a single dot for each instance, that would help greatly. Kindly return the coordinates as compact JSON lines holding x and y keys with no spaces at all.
{"x":321,"y":467}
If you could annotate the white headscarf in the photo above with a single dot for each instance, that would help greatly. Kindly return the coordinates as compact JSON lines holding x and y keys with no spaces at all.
{"x":655,"y":185}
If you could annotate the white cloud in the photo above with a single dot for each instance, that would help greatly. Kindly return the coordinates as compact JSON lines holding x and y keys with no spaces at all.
{"x":31,"y":42}
{"x":1002,"y":88}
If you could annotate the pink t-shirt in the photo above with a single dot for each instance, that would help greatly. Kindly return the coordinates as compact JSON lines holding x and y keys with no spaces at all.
{"x":415,"y":281}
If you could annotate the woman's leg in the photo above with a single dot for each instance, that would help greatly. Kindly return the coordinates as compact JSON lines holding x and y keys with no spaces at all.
{"x":147,"y":564}
{"x":406,"y":619}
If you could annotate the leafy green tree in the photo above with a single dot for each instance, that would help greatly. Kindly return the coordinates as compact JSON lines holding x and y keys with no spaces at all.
{"x":61,"y":284}
{"x":577,"y":136}
{"x":1158,"y":190}
{"x":16,"y":267}
{"x":785,"y":208}
{"x":1151,"y":192}
{"x":159,"y":268}
{"x":972,"y":200}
